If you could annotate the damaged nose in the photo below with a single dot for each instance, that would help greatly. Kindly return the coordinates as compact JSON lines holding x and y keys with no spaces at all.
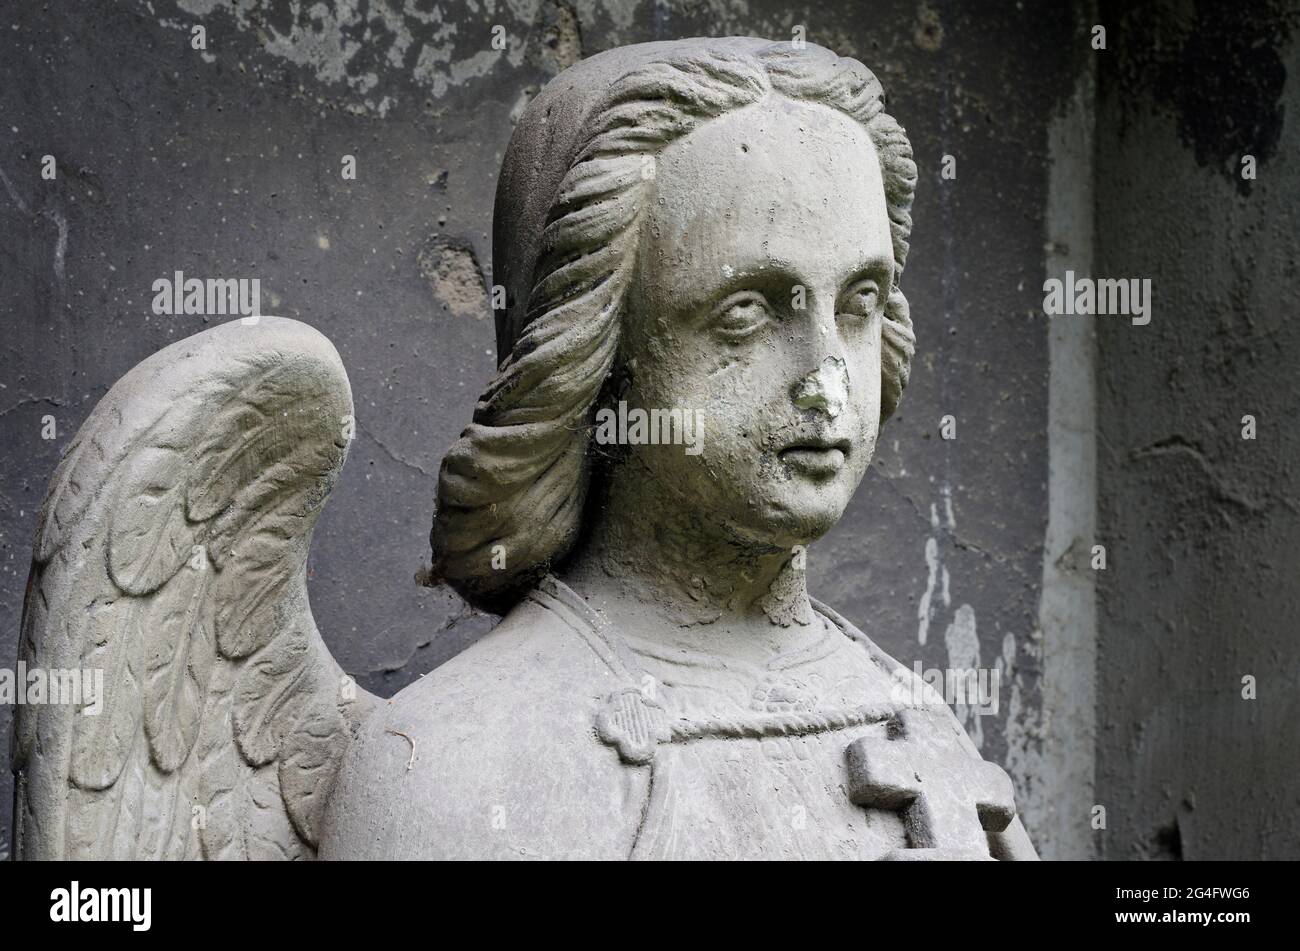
{"x":824,"y":389}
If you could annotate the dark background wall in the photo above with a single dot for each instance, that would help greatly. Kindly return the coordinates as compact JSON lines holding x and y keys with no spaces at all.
{"x":1202,"y":526}
{"x":226,"y":163}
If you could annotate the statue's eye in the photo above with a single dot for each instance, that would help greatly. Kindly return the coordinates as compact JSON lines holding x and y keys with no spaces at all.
{"x":741,"y":314}
{"x":861,"y":301}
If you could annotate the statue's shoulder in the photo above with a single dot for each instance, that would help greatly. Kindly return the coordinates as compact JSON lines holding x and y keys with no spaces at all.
{"x":878,"y":656}
{"x":493,"y":754}
{"x":907,"y":687}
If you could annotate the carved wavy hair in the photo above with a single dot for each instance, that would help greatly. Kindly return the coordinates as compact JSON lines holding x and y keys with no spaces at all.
{"x":518,"y":476}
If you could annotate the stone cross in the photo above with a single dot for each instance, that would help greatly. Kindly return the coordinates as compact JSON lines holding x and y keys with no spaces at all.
{"x":949,"y":798}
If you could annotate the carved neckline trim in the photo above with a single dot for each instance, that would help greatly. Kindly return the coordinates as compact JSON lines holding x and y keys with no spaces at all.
{"x":823,"y":644}
{"x":636,"y":723}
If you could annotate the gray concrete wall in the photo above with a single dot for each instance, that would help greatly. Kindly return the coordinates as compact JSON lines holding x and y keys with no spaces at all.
{"x":1202,"y":527}
{"x":1062,"y":761}
{"x":227,"y":163}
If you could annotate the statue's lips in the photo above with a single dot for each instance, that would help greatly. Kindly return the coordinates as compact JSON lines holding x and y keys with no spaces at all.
{"x":816,"y":458}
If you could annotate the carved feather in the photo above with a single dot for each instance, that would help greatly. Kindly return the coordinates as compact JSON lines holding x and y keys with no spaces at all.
{"x":178,"y":658}
{"x":309,"y":763}
{"x":149,"y":535}
{"x":73,"y":484}
{"x":271,"y":689}
{"x":101,"y":743}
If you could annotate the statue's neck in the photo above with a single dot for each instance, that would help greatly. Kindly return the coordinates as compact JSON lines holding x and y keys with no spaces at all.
{"x":659,"y":571}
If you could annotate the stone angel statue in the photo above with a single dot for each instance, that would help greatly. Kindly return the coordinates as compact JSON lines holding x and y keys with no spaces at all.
{"x":705,"y":228}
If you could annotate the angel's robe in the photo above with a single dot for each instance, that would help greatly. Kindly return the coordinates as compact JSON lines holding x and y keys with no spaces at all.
{"x":556,"y":737}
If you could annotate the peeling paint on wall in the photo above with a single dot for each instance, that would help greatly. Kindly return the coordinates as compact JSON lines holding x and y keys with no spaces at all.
{"x":963,"y":645}
{"x":363,"y":44}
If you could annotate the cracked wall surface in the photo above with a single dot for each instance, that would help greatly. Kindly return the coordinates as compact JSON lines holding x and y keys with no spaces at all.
{"x":226,"y":163}
{"x":1201,"y":526}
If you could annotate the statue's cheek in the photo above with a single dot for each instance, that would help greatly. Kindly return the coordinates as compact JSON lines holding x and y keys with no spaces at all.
{"x":722,"y":376}
{"x":864,"y":373}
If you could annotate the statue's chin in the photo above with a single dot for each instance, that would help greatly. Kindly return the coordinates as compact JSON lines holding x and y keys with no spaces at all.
{"x":792,"y":520}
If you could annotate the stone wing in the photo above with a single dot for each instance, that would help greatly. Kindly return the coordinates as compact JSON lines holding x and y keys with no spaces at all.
{"x":171,"y":555}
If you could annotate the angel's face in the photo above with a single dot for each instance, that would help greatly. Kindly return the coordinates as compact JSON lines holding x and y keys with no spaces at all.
{"x":764,"y":267}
